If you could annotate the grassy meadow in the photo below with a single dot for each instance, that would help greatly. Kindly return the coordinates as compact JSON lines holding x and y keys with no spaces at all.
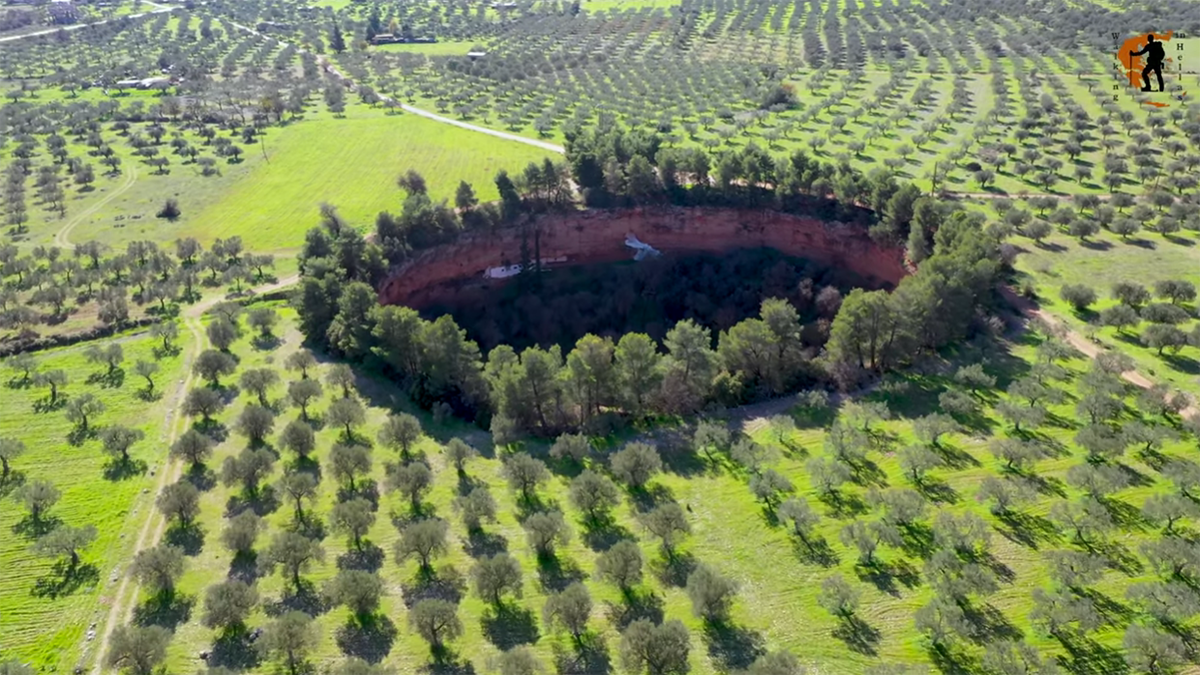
{"x":271,"y":199}
{"x":43,"y":615}
{"x":1102,"y":261}
{"x":353,"y":164}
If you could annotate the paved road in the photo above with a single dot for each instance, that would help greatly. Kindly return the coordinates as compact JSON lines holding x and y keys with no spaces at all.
{"x":333,"y":70}
{"x":79,"y":26}
{"x":484,"y":130}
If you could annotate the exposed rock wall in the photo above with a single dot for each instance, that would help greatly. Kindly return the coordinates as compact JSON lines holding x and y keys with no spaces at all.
{"x":599,"y":236}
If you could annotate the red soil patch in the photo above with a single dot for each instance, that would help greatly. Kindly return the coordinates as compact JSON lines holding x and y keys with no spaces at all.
{"x":599,"y":236}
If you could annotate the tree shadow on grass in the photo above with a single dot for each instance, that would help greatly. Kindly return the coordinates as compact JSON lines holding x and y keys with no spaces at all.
{"x":998,"y":567}
{"x":1134,"y":477}
{"x":366,"y":489}
{"x":1152,"y":458}
{"x":446,"y":664}
{"x":638,"y":605}
{"x":1045,"y":485}
{"x":19,"y":382}
{"x":955,"y":457}
{"x":733,"y":647}
{"x":370,"y":640}
{"x":1085,"y":656}
{"x":917,"y":539}
{"x":108,"y":380}
{"x":265,"y":343}
{"x":884,"y":576}
{"x":262,"y":503}
{"x":951,"y":660}
{"x":590,"y":659}
{"x":674,"y":571}
{"x":148,"y":395}
{"x":14,"y":480}
{"x":647,"y":498}
{"x":817,"y":551}
{"x":369,"y":558}
{"x":447,"y":583}
{"x":867,"y":473}
{"x":1124,"y":515}
{"x":235,"y":651}
{"x":481,"y":543}
{"x":1114,"y":612}
{"x":201,"y":477}
{"x":1182,"y":364}
{"x":121,"y":469}
{"x":33,"y":528}
{"x":937,"y":491}
{"x":307,"y":465}
{"x":1119,"y":556}
{"x":602,"y":533}
{"x":244,"y":568}
{"x":677,"y":454}
{"x":64,"y":580}
{"x":1027,"y":529}
{"x":509,"y":625}
{"x":466,"y":483}
{"x":213,"y":429}
{"x":556,"y":573}
{"x":304,"y":599}
{"x":79,"y":435}
{"x":989,"y":624}
{"x":44,"y":405}
{"x":843,"y":504}
{"x":858,"y":635}
{"x":311,"y":527}
{"x":168,"y":612}
{"x":190,"y":539}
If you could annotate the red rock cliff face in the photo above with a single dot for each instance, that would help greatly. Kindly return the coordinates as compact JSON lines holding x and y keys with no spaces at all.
{"x":599,"y":236}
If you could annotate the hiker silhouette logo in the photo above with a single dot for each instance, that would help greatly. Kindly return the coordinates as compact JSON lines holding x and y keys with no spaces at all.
{"x":1149,"y":62}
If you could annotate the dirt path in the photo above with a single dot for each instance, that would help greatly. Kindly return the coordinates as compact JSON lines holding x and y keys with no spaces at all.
{"x":1090,"y":349}
{"x":125,"y":598}
{"x":62,"y":237}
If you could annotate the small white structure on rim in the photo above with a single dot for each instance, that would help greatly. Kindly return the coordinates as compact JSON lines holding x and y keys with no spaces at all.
{"x":502,"y":272}
{"x":643,"y":249}
{"x":506,"y":271}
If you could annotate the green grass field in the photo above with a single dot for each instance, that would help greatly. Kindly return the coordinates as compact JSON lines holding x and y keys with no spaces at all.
{"x":440,"y":48}
{"x":270,"y":201}
{"x":1105,"y":260}
{"x":47,"y":627}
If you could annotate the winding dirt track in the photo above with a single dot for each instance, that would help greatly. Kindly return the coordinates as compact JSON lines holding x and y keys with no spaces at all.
{"x":1030,"y":310}
{"x":62,"y":237}
{"x":125,"y":598}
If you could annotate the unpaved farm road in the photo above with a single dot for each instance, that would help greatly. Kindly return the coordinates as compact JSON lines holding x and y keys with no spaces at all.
{"x":1090,"y":349}
{"x":124,"y":599}
{"x":62,"y":238}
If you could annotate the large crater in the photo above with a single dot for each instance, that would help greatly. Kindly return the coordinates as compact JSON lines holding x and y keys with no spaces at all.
{"x":437,"y":275}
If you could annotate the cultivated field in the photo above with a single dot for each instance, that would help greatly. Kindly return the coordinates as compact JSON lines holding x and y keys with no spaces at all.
{"x":995,"y":502}
{"x":46,"y":613}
